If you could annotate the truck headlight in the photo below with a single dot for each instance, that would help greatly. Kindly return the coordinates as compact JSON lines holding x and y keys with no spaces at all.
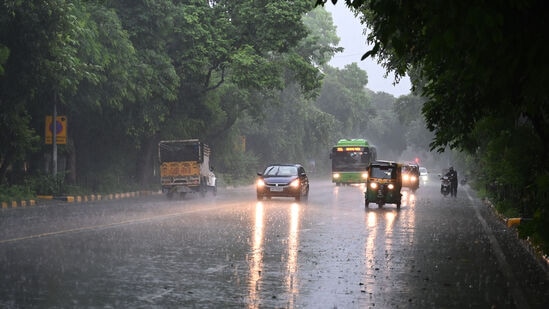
{"x":373,"y":185}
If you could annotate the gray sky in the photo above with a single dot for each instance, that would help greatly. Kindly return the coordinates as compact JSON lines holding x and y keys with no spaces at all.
{"x":349,"y":29}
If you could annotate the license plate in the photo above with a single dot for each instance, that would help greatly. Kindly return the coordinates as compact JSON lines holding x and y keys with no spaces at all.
{"x":276,"y":189}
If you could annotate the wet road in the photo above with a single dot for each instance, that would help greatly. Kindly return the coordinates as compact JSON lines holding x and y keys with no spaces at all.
{"x":231,"y":251}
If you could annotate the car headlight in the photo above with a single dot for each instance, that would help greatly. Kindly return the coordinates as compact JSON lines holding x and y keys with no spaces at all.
{"x":391,"y":186}
{"x":373,"y":185}
{"x":335,"y":175}
{"x":365,"y":175}
{"x":405,"y":177}
{"x":260,"y":183}
{"x":295,"y":183}
{"x":413,"y":178}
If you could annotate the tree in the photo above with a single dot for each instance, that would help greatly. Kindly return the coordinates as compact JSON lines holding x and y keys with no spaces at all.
{"x":465,"y":54}
{"x":42,"y":69}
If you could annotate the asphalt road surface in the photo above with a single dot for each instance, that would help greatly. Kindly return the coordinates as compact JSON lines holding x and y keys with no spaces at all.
{"x":232,"y":251}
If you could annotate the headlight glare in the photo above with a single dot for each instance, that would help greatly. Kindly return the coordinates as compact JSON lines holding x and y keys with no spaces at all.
{"x":295,"y":183}
{"x":260,"y":183}
{"x":373,"y":185}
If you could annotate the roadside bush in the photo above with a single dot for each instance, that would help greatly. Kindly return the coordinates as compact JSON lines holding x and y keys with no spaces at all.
{"x":47,"y":184}
{"x":15,"y":193}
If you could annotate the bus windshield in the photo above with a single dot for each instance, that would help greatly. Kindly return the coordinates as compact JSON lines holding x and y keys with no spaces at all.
{"x":350,"y":160}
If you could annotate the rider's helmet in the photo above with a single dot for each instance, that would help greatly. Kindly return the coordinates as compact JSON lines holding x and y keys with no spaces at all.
{"x":451,"y":168}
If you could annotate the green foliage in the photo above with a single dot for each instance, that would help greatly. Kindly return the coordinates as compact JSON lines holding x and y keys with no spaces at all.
{"x":47,"y":184}
{"x":15,"y":193}
{"x":4,"y":54}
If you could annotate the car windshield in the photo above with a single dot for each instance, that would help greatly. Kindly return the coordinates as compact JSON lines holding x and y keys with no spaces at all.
{"x":423,"y":170}
{"x":385,"y":172}
{"x":277,"y":170}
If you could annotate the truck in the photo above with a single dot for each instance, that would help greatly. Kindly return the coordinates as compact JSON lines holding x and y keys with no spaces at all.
{"x":185,"y":167}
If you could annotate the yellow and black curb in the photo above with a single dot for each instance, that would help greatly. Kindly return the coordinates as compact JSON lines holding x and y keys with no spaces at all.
{"x":511,"y":222}
{"x":15,"y":204}
{"x":76,"y":198}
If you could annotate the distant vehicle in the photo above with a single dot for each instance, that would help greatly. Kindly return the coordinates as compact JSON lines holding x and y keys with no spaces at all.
{"x":350,"y":158}
{"x":423,"y":174}
{"x":383,"y":184}
{"x":185,"y":167}
{"x":445,"y":185}
{"x":410,"y":176}
{"x":283,"y":180}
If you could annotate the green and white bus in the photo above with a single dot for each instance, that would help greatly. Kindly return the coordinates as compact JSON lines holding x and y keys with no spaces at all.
{"x":350,"y":158}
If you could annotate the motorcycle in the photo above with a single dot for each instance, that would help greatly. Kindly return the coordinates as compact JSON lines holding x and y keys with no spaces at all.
{"x":445,"y":186}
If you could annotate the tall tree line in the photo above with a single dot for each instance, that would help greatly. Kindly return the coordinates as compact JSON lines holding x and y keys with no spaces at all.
{"x":130,"y":73}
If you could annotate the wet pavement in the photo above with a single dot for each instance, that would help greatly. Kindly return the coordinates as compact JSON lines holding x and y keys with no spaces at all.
{"x":232,"y":251}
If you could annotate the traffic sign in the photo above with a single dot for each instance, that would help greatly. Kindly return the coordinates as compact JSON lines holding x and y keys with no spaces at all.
{"x":60,"y":130}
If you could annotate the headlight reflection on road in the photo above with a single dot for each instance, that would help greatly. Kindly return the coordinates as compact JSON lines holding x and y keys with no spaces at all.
{"x":257,"y":257}
{"x":390,"y":218}
{"x":293,"y":242}
{"x":370,"y":252}
{"x":409,"y":198}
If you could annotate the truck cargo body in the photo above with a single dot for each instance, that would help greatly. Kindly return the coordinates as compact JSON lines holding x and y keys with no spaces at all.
{"x":185,"y":167}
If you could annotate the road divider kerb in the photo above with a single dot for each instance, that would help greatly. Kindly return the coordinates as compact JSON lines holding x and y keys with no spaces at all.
{"x":16,"y":204}
{"x":76,"y":198}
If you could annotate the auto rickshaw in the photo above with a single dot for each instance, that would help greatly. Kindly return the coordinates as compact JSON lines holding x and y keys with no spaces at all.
{"x":383,"y":184}
{"x":410,"y":176}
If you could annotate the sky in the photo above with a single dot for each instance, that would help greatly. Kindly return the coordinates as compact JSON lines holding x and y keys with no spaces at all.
{"x":349,"y":29}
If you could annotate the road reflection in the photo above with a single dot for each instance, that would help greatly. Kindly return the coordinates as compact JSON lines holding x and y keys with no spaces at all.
{"x":409,"y":198}
{"x":254,"y":281}
{"x":293,"y":242}
{"x":389,"y":230}
{"x":258,"y":249}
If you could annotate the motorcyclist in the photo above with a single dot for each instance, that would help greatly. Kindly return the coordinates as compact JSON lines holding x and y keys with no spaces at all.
{"x":453,"y":176}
